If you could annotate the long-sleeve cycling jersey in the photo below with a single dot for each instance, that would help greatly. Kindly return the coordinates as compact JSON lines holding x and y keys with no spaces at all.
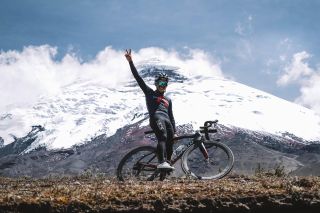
{"x":156,"y":101}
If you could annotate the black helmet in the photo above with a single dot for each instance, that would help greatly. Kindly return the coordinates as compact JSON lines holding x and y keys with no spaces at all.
{"x":161,"y":76}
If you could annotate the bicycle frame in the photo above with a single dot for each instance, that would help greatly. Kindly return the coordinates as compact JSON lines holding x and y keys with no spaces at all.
{"x":197,"y":138}
{"x":173,"y":161}
{"x":194,"y":136}
{"x":200,"y":139}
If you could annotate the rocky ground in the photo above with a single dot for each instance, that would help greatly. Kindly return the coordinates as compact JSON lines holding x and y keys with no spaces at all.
{"x":94,"y":193}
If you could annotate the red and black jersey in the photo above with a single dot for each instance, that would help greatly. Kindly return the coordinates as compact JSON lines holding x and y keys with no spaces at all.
{"x":156,"y":101}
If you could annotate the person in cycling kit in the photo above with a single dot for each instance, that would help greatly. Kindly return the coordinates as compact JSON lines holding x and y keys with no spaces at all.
{"x":160,"y":112}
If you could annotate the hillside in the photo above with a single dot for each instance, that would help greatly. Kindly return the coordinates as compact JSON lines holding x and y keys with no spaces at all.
{"x":85,"y":110}
{"x":104,"y":153}
{"x":88,"y":193}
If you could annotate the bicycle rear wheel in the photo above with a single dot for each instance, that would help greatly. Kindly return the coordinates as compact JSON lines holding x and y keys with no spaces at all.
{"x":218,"y":165}
{"x":139,"y":164}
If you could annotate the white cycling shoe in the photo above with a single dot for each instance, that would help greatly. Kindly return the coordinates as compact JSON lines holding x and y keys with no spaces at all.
{"x":165,"y":166}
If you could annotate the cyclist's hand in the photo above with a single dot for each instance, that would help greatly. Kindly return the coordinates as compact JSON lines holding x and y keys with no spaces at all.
{"x":128,"y":55}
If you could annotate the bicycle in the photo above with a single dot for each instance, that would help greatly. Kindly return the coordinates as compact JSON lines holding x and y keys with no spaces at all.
{"x":202,"y":158}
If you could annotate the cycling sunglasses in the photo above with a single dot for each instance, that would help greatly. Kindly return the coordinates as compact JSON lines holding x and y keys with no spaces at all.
{"x":163,"y":83}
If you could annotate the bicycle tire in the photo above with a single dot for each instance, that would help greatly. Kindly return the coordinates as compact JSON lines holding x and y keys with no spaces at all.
{"x":219,"y":164}
{"x":135,"y":164}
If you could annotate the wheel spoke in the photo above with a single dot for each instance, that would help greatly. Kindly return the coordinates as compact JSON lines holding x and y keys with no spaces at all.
{"x":139,"y":164}
{"x":218,"y":164}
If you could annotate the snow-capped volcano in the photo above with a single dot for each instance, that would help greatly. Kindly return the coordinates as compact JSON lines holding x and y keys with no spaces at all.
{"x":86,"y":109}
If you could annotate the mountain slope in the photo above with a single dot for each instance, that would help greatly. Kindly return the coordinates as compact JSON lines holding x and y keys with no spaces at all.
{"x":90,"y":126}
{"x":85,"y":110}
{"x":102,"y":155}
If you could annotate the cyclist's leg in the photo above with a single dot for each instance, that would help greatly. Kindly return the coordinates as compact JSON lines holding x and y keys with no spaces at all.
{"x":158,"y":125}
{"x":169,"y":144}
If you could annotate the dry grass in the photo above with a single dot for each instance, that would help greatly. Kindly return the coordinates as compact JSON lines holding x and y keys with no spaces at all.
{"x":96,"y":194}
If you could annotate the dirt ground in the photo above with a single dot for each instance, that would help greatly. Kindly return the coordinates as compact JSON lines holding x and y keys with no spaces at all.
{"x":90,"y":193}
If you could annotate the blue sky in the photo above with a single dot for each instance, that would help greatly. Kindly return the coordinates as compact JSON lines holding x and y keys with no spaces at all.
{"x":255,"y":42}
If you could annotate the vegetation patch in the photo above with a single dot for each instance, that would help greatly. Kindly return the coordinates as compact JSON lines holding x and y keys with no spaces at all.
{"x":96,"y":193}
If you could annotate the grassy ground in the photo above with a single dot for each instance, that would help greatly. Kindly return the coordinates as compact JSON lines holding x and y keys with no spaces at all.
{"x":90,"y":193}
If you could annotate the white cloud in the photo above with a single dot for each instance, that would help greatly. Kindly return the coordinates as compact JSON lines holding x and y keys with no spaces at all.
{"x":245,"y":27}
{"x":239,"y":29}
{"x":296,"y":70}
{"x":286,"y":43}
{"x":34,"y":71}
{"x":299,"y":72}
{"x":310,"y":91}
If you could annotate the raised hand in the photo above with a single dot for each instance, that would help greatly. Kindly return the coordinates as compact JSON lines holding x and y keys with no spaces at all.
{"x":128,"y":55}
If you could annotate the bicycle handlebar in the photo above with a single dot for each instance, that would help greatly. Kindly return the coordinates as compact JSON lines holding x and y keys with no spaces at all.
{"x":205,"y":129}
{"x":209,"y":123}
{"x":209,"y":131}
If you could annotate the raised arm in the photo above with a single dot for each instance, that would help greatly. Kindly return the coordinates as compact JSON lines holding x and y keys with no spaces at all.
{"x":135,"y":73}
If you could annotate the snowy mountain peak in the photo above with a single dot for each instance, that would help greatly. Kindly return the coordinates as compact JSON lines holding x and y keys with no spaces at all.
{"x":85,"y":110}
{"x":148,"y":69}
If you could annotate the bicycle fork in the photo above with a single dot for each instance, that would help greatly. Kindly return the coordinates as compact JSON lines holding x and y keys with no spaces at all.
{"x":204,"y":151}
{"x":199,"y":141}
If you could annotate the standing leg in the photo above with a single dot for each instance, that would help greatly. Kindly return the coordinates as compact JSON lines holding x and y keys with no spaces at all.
{"x":169,"y":142}
{"x":159,"y":127}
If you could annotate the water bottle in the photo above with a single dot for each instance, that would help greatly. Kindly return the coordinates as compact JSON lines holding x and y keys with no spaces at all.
{"x":178,"y":150}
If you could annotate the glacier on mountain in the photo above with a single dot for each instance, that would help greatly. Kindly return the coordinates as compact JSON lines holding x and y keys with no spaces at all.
{"x":86,"y":109}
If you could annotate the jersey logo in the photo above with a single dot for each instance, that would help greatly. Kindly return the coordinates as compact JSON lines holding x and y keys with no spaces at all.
{"x":161,"y":99}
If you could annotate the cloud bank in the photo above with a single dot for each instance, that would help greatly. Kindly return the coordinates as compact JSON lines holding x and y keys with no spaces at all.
{"x":33,"y":72}
{"x":299,"y":72}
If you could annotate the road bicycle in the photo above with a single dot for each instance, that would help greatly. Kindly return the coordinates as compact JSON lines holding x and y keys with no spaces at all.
{"x":201,"y":158}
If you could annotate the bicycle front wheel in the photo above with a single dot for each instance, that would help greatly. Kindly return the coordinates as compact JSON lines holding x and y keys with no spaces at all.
{"x":139,"y":164}
{"x":218,"y":165}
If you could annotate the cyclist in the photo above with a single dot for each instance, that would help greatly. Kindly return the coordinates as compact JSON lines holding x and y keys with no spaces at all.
{"x":160,"y":112}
